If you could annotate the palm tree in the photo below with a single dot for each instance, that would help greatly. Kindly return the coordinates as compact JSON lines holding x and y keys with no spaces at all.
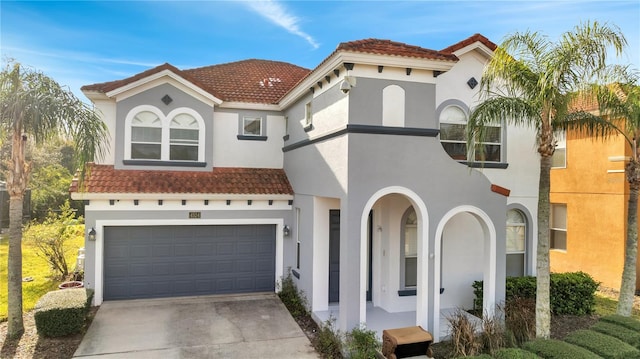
{"x":619,"y":114}
{"x":531,"y":81}
{"x":33,"y":107}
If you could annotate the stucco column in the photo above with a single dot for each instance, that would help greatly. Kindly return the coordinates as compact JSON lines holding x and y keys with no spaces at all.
{"x":350,"y":269}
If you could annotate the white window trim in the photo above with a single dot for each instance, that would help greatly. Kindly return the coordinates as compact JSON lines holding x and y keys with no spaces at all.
{"x":561,"y":143}
{"x":472,"y":154}
{"x":552,"y":228}
{"x":259,"y":118}
{"x":403,"y":226}
{"x":308,"y":115}
{"x":166,"y":126}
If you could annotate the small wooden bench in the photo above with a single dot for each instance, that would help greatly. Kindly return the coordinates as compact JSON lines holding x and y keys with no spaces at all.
{"x":406,"y":342}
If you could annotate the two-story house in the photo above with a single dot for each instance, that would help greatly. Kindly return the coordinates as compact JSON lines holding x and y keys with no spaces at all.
{"x":354,"y":176}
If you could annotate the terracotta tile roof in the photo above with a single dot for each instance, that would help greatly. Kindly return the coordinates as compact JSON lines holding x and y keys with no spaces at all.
{"x":259,"y":81}
{"x":388,"y":47}
{"x":254,"y":81}
{"x":584,"y":103}
{"x":468,"y":41}
{"x":222,"y":180}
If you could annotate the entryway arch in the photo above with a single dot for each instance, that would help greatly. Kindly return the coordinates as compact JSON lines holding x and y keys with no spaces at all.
{"x":422,"y":300}
{"x":480,"y":224}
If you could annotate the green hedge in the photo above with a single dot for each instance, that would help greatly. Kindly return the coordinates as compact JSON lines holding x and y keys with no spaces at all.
{"x":514,"y":353}
{"x":626,"y":322}
{"x":556,"y":349}
{"x":62,"y":312}
{"x":604,"y":345}
{"x":571,"y":293}
{"x":629,"y":336}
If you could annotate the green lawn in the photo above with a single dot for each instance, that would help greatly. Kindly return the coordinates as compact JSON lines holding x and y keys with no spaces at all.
{"x":36,"y":267}
{"x":606,"y":306}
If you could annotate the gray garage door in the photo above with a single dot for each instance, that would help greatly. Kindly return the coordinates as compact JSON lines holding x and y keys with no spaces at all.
{"x":169,"y":261}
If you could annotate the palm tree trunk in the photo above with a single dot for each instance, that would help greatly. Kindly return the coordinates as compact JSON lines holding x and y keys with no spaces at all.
{"x":543,"y":307}
{"x":16,"y":185}
{"x":628,"y":286}
{"x":14,"y":266}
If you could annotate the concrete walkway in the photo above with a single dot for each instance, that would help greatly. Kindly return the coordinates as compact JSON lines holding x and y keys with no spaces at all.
{"x":239,"y":326}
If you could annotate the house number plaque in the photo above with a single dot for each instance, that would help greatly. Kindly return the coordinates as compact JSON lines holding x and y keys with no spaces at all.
{"x":195,"y":214}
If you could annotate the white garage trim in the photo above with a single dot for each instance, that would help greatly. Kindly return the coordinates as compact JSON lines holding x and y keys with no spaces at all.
{"x":101,"y":224}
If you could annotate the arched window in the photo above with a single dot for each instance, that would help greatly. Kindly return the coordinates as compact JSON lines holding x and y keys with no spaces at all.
{"x":453,"y":136}
{"x":183,"y":138}
{"x":453,"y":132}
{"x":146,"y":136}
{"x":516,"y":243}
{"x":409,"y":250}
{"x":152,"y":136}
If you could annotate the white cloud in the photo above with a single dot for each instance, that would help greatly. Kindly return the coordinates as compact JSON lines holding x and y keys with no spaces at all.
{"x":279,"y":15}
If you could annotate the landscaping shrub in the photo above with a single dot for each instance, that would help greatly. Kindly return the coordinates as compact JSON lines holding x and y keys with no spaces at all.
{"x":629,"y":336}
{"x":292,"y":298}
{"x":514,"y":353}
{"x":329,"y":340}
{"x":606,"y":346}
{"x":556,"y":349}
{"x":362,"y":343}
{"x":520,"y":320}
{"x":62,"y":312}
{"x":626,"y":322}
{"x":481,"y":356}
{"x":493,"y":334}
{"x":463,"y":335}
{"x":571,"y":293}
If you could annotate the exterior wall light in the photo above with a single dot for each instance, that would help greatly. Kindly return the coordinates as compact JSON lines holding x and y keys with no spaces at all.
{"x":286,"y":230}
{"x":92,"y":234}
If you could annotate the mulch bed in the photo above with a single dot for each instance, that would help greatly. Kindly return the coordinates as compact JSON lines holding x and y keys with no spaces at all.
{"x":31,"y":345}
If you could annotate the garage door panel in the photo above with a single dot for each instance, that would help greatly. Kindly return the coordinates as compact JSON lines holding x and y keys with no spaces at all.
{"x":162,"y":250}
{"x":184,"y":268}
{"x":227,"y":248}
{"x":184,"y":250}
{"x":140,"y":251}
{"x":164,"y":261}
{"x":244,"y":266}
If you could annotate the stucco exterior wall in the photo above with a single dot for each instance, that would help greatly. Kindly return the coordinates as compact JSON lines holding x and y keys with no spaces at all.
{"x":229,"y":151}
{"x":519,"y":150}
{"x":596,"y":194}
{"x":153,"y":96}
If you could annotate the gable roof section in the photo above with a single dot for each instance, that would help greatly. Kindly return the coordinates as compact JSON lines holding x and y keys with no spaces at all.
{"x":468,"y":41}
{"x":252,"y":81}
{"x":267,"y":82}
{"x":105,"y":179}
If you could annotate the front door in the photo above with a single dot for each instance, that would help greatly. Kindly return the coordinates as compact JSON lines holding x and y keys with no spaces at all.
{"x":334,"y":255}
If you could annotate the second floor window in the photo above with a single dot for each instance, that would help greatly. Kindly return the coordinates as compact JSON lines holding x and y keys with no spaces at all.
{"x":453,"y":136}
{"x":150,"y":135}
{"x":146,"y":136}
{"x":252,"y":126}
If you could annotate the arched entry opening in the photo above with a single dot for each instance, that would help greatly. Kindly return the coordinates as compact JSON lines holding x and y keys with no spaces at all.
{"x":394,"y":258}
{"x":465,"y":250}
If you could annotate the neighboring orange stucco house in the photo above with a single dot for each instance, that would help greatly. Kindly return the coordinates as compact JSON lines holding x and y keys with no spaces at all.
{"x":589,"y":195}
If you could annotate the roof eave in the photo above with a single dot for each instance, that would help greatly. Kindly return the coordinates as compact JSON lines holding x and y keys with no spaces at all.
{"x":340,"y":57}
{"x":477,"y":46}
{"x":158,"y":75}
{"x":179,"y":196}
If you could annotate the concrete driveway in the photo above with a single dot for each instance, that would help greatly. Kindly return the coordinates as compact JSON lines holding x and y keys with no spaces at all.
{"x":239,"y":326}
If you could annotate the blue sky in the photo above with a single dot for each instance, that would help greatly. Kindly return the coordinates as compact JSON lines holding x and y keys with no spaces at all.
{"x":84,"y":42}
